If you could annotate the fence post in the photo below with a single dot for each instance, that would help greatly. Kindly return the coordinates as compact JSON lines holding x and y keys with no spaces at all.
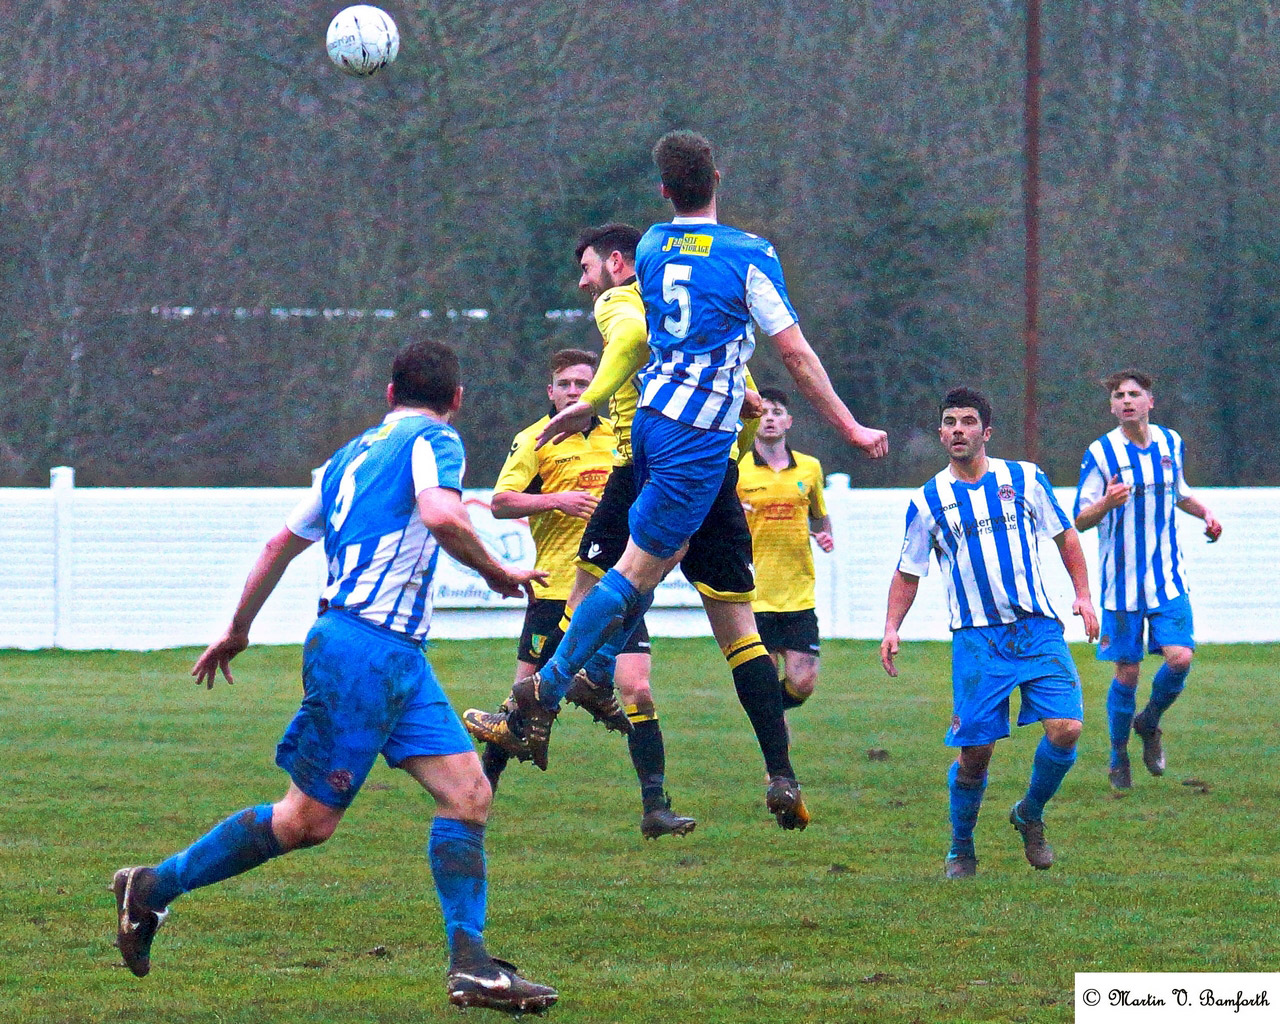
{"x":62,"y":481}
{"x":833,"y":578}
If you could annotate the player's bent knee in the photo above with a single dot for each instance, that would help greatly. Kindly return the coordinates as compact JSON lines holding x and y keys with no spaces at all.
{"x":300,"y":831}
{"x":1063,"y":732}
{"x":1178,"y":659}
{"x":1127,"y":673}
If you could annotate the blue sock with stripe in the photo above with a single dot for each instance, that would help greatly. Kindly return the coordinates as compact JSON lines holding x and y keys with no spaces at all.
{"x":1121,"y":702}
{"x":1049,"y":768}
{"x":966,"y":801}
{"x":456,"y":852}
{"x":600,"y":666}
{"x":603,"y":612}
{"x":1165,"y":688}
{"x":243,"y":841}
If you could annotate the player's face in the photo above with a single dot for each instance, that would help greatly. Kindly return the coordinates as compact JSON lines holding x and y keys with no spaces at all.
{"x":963,"y":435}
{"x":567,"y":385}
{"x":596,"y":278}
{"x":1131,"y":402}
{"x":775,"y":421}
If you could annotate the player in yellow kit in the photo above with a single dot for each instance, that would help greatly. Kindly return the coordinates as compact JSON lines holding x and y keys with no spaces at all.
{"x":781,"y":492}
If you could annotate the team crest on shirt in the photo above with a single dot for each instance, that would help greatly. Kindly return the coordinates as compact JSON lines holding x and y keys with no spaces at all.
{"x":341,"y":780}
{"x":1006,"y":492}
{"x":955,"y":723}
{"x":1166,"y":462}
{"x":1104,"y":642}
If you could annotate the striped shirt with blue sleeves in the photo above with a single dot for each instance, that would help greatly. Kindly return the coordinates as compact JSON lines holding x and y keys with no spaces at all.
{"x":986,"y":536}
{"x":1139,"y":554}
{"x":703,"y":284}
{"x":380,"y":554}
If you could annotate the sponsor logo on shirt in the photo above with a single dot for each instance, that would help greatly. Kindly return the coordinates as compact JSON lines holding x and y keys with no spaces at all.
{"x":689,"y":245}
{"x":592,"y":479}
{"x":779,"y":510}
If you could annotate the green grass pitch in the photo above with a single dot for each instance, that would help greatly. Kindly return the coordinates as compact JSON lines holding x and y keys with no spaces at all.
{"x":117,"y":758}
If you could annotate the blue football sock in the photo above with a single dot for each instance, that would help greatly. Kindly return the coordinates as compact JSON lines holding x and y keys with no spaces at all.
{"x":456,"y":852}
{"x":243,"y":841}
{"x":602,"y":613}
{"x":1165,"y":688}
{"x":600,"y":666}
{"x":966,"y":800}
{"x":1121,"y":701}
{"x":1049,"y":768}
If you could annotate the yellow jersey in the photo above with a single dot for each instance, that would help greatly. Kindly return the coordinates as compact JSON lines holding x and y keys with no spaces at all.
{"x":619,"y":314}
{"x":578,"y":463}
{"x":779,"y":505}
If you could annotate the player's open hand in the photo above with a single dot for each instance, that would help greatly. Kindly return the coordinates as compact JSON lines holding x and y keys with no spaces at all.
{"x":579,"y":504}
{"x":217,"y":657}
{"x":824,"y":540}
{"x":889,"y":651}
{"x":1083,"y":607}
{"x":572,"y":419}
{"x":875,"y":443}
{"x":1212,"y":528}
{"x":517,"y":582}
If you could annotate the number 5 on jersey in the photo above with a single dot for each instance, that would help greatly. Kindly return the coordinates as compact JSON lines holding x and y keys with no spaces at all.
{"x":673,"y":290}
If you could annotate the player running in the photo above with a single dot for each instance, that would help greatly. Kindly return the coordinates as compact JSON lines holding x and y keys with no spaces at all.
{"x":1131,"y":480}
{"x":702,"y":284}
{"x":983,"y":518}
{"x":781,"y":491}
{"x":385,"y":505}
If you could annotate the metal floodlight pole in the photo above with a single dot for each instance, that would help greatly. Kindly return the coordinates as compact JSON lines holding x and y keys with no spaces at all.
{"x":1031,"y":220}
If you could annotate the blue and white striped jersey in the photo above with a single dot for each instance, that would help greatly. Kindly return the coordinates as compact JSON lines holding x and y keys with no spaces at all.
{"x":363,"y":504}
{"x":986,"y":536}
{"x":702,"y":284}
{"x":1141,"y":560}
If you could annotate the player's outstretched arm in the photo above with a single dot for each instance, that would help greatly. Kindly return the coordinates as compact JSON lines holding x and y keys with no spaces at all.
{"x":902,"y":595}
{"x":446,"y":517}
{"x":1068,"y":542}
{"x":811,"y":378}
{"x":518,"y":504}
{"x":275,"y":557}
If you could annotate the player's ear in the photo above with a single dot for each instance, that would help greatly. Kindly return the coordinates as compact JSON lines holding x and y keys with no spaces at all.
{"x":986,"y":434}
{"x":456,"y":404}
{"x":391,"y":395}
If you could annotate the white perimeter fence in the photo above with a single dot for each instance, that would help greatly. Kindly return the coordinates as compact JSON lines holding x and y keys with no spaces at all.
{"x":145,"y":568}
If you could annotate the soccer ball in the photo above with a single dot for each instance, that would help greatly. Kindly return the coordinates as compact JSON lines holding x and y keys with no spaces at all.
{"x":362,"y":40}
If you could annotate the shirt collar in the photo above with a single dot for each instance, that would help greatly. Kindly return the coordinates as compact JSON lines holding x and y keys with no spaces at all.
{"x":399,"y":414}
{"x":595,"y":420}
{"x":693,"y":220}
{"x":760,"y":461}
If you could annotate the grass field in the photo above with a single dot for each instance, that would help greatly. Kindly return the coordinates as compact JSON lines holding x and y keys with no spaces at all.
{"x":116,"y":758}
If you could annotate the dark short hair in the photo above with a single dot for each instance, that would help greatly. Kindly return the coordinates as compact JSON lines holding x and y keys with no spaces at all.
{"x":609,"y":238}
{"x":967,"y":398}
{"x":425,"y":373}
{"x":567,"y":357}
{"x":687,"y":168}
{"x":775,"y":395}
{"x":1113,"y":380}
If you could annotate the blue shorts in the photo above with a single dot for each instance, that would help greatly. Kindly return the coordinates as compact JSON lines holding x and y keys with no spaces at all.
{"x":989,"y":662}
{"x":366,"y":690}
{"x":678,"y":470}
{"x":1121,"y":638}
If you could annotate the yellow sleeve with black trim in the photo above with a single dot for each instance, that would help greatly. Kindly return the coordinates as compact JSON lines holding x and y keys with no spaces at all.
{"x":521,"y":467}
{"x":626,"y":343}
{"x":817,"y":499}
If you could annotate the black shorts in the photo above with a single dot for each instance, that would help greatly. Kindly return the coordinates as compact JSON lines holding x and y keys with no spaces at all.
{"x":718,"y":561}
{"x":789,"y":631}
{"x":541,"y":620}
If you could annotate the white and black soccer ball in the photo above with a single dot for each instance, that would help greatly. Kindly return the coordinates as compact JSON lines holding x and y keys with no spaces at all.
{"x":362,"y":40}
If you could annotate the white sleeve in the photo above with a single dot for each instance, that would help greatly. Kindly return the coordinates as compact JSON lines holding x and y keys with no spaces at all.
{"x":917,"y":544}
{"x":768,"y":302}
{"x":441,"y":464}
{"x":307,"y":518}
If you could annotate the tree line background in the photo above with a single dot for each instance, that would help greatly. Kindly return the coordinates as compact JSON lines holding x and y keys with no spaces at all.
{"x":202,"y":154}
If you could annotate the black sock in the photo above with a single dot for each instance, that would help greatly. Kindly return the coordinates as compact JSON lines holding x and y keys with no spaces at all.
{"x":755,"y":677}
{"x":648,"y":755}
{"x":789,"y":699}
{"x":494,"y":759}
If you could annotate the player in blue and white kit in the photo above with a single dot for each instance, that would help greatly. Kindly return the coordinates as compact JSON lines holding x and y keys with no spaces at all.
{"x":385,"y":505}
{"x":1131,"y":480}
{"x":702,"y":284}
{"x":983,"y":519}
